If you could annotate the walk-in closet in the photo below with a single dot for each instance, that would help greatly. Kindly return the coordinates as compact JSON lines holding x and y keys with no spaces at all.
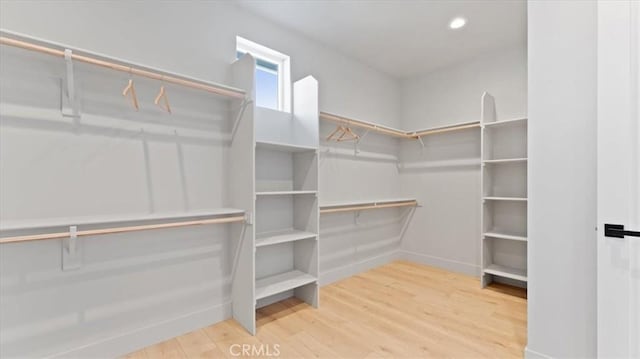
{"x":318,"y":179}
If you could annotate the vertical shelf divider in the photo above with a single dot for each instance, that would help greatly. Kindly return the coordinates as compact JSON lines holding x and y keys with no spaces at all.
{"x":241,"y":184}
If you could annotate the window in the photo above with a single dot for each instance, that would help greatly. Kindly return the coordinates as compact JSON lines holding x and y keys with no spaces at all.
{"x":273,"y":76}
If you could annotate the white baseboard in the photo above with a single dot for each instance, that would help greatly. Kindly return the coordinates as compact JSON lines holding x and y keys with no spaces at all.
{"x":131,"y":341}
{"x":336,"y":274}
{"x":454,"y":266}
{"x":531,"y":354}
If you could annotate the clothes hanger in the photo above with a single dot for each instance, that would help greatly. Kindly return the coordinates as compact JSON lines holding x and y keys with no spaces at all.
{"x":348,"y":132}
{"x":163,"y":95}
{"x":338,"y":128}
{"x":130,"y":88}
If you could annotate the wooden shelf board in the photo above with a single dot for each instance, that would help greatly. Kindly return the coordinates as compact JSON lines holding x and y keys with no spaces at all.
{"x":506,"y":272}
{"x":282,"y":282}
{"x":515,"y":121}
{"x":506,"y":160}
{"x":514,"y":199}
{"x":9,"y":225}
{"x":284,"y":236}
{"x":500,"y":235}
{"x":283,"y":193}
{"x":285,"y":147}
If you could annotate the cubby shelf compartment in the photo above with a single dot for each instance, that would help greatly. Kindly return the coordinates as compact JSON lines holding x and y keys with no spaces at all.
{"x":506,"y":272}
{"x":513,"y":199}
{"x":282,"y":282}
{"x":505,"y":160}
{"x":515,"y":121}
{"x":513,"y":237}
{"x":284,"y":236}
{"x":284,"y":193}
{"x":286,"y":147}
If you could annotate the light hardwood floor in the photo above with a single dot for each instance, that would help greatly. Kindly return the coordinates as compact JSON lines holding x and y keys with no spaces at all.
{"x":400,"y":310}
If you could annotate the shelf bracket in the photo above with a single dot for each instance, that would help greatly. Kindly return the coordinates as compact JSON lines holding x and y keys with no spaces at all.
{"x":71,"y":250}
{"x":356,"y":217}
{"x":236,"y":123}
{"x":69,"y":103}
{"x":248,"y":220}
{"x":421,"y":142}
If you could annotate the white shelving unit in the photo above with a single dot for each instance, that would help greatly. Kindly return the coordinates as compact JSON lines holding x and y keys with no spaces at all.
{"x":278,"y":258}
{"x":504,"y":197}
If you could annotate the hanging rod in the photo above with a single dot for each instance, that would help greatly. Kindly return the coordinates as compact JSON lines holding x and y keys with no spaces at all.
{"x":369,"y":206}
{"x":113,"y":230}
{"x":117,"y":65}
{"x":394,"y":132}
{"x":363,"y":124}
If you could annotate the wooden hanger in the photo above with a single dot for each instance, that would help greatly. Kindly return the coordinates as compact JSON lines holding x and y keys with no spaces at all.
{"x":349,"y":133}
{"x":130,"y":88}
{"x":163,"y":95}
{"x":338,"y":129}
{"x":345,"y":134}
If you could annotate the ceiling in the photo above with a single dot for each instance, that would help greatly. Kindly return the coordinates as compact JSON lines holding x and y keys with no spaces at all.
{"x":402,"y":37}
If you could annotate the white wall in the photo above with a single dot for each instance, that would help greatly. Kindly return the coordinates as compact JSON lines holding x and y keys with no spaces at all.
{"x":147,"y":286}
{"x":445,"y":175}
{"x":452,"y":94}
{"x":562,"y":179}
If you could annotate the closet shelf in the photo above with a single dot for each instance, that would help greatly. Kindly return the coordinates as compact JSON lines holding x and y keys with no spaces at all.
{"x":500,"y":235}
{"x":506,"y":272}
{"x":515,"y":121}
{"x":506,"y":160}
{"x":9,"y":225}
{"x":285,"y":147}
{"x":283,"y":193}
{"x":367,"y":204}
{"x":514,"y":199}
{"x":289,"y":235}
{"x":15,"y":39}
{"x":283,"y":282}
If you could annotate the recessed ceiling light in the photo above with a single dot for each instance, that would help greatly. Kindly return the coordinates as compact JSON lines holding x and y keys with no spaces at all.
{"x":457,"y":23}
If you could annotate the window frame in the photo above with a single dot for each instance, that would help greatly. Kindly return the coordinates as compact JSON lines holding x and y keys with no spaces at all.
{"x":283,"y":62}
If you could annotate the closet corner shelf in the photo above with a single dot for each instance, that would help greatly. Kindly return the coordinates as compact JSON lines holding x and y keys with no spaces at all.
{"x":512,"y":199}
{"x":285,"y":147}
{"x":500,"y":235}
{"x":505,"y":160}
{"x":506,"y":272}
{"x":282,"y":282}
{"x":283,"y":193}
{"x":284,"y":236}
{"x":514,"y":121}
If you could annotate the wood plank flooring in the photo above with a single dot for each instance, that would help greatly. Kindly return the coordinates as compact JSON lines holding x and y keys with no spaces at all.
{"x":400,"y":310}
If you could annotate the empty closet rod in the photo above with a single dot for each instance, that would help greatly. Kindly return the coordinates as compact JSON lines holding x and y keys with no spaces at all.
{"x":165,"y":77}
{"x":445,"y":129}
{"x":370,"y":206}
{"x":113,"y":230}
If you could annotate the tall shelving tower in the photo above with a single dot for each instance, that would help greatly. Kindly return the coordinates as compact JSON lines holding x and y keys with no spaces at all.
{"x":504,"y":197}
{"x":278,"y":258}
